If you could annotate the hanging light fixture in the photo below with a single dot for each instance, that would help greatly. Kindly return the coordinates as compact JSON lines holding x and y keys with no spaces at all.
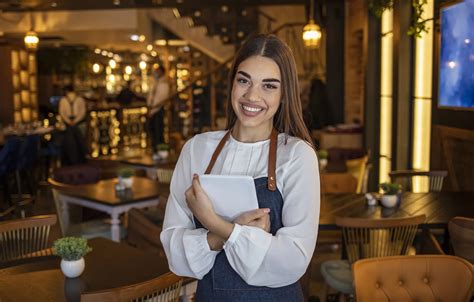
{"x":311,"y":32}
{"x":31,"y":38}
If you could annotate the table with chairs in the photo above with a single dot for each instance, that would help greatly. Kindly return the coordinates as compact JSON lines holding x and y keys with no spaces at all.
{"x":113,"y":271}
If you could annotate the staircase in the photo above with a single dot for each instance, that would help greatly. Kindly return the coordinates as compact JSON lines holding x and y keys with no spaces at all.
{"x":196,"y":35}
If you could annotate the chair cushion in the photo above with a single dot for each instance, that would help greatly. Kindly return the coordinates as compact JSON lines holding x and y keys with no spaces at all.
{"x":77,"y":175}
{"x":338,"y":275}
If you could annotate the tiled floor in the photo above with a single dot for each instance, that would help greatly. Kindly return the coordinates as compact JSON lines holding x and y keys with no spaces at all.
{"x":45,"y":205}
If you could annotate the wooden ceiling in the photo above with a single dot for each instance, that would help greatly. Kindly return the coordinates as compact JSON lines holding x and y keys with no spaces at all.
{"x":46,"y":5}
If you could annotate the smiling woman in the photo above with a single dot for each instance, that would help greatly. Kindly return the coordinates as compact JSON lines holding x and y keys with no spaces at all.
{"x":247,"y":259}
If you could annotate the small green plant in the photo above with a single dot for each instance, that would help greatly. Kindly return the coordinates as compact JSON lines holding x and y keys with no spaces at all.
{"x":163,"y":147}
{"x":389,"y":188}
{"x":71,"y":248}
{"x":125,"y":172}
{"x":323,"y":154}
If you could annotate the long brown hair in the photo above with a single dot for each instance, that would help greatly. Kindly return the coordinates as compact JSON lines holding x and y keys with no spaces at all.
{"x":289,"y":117}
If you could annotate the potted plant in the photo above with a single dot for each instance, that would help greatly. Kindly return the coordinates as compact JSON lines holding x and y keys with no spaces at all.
{"x":323,"y":158}
{"x":163,"y":150}
{"x":72,"y":251}
{"x":125,"y":177}
{"x":390,"y":196}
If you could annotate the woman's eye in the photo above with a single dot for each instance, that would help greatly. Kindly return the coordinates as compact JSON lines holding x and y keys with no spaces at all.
{"x":270,"y":86}
{"x":242,"y":81}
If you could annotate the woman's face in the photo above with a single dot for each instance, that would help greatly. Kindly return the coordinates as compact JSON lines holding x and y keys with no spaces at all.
{"x":256,"y":93}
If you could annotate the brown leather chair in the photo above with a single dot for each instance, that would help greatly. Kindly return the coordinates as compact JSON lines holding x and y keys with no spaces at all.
{"x":413,"y":278}
{"x":461,"y":231}
{"x":165,"y":288}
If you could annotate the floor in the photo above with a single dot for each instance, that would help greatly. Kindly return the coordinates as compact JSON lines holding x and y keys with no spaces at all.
{"x":324,"y":251}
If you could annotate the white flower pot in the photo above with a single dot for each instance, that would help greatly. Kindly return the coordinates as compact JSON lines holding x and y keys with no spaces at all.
{"x":323,"y":163}
{"x":126,"y":182}
{"x":73,"y":269}
{"x":163,"y":154}
{"x":389,"y":201}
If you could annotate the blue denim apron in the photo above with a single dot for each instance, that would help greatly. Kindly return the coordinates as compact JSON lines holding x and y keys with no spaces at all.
{"x":222,"y":283}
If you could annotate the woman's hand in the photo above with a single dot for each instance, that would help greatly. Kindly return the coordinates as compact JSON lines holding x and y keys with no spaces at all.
{"x":258,"y":218}
{"x":199,"y":203}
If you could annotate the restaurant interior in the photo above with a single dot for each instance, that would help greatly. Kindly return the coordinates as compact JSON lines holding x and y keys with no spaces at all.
{"x":387,"y":92}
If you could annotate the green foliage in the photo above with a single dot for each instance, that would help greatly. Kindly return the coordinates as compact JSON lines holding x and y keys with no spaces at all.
{"x":418,"y":24}
{"x":163,"y":147}
{"x":323,"y":154}
{"x":377,"y":7}
{"x":389,"y":188}
{"x":125,"y":172}
{"x":71,"y":248}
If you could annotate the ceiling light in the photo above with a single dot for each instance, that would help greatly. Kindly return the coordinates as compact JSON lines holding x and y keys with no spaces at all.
{"x":134,"y":38}
{"x":96,"y":68}
{"x":117,"y":58}
{"x":104,"y":53}
{"x":160,"y":42}
{"x":128,"y":69}
{"x":112,"y":64}
{"x":149,"y":47}
{"x":153,"y":53}
{"x":31,"y":40}
{"x":142,"y":65}
{"x":141,"y":38}
{"x":97,"y":51}
{"x":311,"y":32}
{"x":110,"y":54}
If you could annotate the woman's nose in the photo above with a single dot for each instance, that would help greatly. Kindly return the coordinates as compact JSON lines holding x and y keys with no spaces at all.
{"x":252,"y":94}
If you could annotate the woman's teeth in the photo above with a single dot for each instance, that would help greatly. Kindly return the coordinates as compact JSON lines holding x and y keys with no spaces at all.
{"x":251,"y":109}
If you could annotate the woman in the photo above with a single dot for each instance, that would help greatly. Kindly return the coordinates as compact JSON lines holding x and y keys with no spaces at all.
{"x":261,"y":255}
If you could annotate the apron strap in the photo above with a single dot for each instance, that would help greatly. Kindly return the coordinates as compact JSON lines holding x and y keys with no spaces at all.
{"x":217,"y":152}
{"x":271,"y":157}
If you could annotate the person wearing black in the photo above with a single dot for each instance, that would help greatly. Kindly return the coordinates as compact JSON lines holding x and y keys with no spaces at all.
{"x":72,"y":109}
{"x":159,"y":92}
{"x":126,"y":95}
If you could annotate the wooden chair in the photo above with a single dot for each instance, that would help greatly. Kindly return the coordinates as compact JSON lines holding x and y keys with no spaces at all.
{"x":413,"y":278}
{"x":164,"y":175}
{"x":405,"y":178}
{"x":338,"y":183}
{"x":165,"y":288}
{"x":461,"y":231}
{"x":25,"y":237}
{"x":359,"y":168}
{"x":368,"y":238}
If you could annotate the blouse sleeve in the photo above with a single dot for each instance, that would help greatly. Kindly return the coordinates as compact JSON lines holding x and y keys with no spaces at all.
{"x":274,"y":261}
{"x":186,"y":247}
{"x":63,"y":111}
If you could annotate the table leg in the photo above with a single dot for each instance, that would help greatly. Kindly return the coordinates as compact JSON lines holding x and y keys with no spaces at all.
{"x":115,"y":228}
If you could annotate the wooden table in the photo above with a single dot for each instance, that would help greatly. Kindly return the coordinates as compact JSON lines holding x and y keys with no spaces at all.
{"x":150,"y":165}
{"x":109,"y":265}
{"x":439,"y":208}
{"x":102,"y":196}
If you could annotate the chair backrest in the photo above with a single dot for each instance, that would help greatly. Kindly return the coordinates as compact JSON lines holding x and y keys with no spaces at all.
{"x":9,"y":156}
{"x":77,"y":175}
{"x":368,"y":238}
{"x":164,"y":175}
{"x":165,"y":288}
{"x":358,"y":167}
{"x":338,"y":183}
{"x":21,"y":238}
{"x":461,"y":231}
{"x":405,"y":178}
{"x":29,"y":151}
{"x":413,"y":278}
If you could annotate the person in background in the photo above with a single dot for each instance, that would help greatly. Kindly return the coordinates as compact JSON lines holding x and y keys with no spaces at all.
{"x":261,"y":255}
{"x":126,"y":95}
{"x":159,"y":92}
{"x":72,"y":109}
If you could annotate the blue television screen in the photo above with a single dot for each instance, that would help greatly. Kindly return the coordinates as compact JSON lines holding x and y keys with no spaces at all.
{"x":456,"y":76}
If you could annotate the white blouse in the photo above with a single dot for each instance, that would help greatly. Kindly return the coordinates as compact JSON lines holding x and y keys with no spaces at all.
{"x":260,"y":258}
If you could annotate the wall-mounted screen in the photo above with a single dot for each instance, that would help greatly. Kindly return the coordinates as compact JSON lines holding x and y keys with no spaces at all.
{"x":456,"y":74}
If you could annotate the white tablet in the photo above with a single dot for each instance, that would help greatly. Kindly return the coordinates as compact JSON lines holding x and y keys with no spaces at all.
{"x":230,"y":195}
